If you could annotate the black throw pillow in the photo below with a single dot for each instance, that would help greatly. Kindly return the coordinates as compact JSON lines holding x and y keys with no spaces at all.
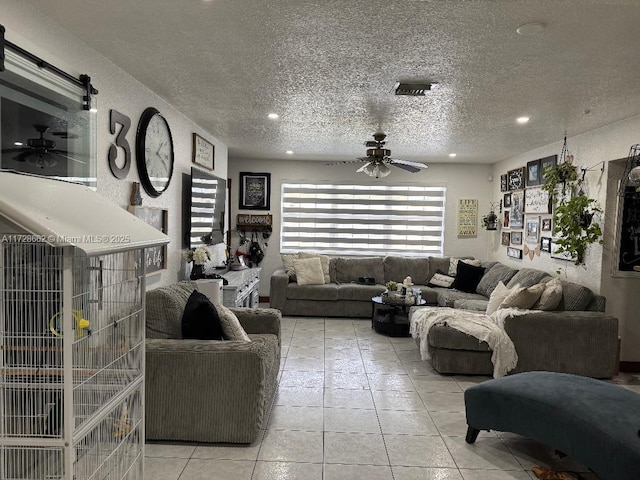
{"x":468,"y":277}
{"x":200,"y":319}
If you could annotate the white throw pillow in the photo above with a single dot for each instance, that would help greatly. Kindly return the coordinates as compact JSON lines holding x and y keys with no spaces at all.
{"x":230,"y":324}
{"x":309,"y":271}
{"x":441,"y":280}
{"x":324,"y":261}
{"x":498,"y":295}
{"x":453,"y":264}
{"x":524,"y":297}
{"x":551,"y":296}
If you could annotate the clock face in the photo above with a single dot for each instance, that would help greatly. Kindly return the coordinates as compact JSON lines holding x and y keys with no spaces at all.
{"x":154,"y":152}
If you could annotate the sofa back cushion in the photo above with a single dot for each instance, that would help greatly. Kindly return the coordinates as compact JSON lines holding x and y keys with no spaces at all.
{"x":349,"y":269}
{"x":164,"y":309}
{"x":397,"y":268}
{"x":439,"y":263}
{"x":526,"y":277}
{"x":574,"y":297}
{"x":496,"y":274}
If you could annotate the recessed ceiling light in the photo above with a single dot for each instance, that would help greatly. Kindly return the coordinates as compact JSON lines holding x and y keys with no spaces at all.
{"x":531,"y":28}
{"x":18,"y":144}
{"x":452,"y":155}
{"x":289,"y":152}
{"x":273,"y":116}
{"x":522,"y":120}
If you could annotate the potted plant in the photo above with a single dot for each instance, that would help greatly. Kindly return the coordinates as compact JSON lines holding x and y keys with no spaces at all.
{"x":199,"y":256}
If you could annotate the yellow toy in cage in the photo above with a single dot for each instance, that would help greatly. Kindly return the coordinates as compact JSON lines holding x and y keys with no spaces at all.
{"x":55,"y":324}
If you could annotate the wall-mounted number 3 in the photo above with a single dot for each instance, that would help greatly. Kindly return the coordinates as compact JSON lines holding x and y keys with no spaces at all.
{"x":115,"y":118}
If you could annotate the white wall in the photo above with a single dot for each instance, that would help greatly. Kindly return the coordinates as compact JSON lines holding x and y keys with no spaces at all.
{"x":461,"y":181}
{"x":606,"y":144}
{"x":117,"y":90}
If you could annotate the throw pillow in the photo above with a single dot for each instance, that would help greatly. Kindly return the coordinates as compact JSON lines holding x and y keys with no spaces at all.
{"x":467,"y":278}
{"x":551,"y":296}
{"x":287,"y":263}
{"x":309,"y":271}
{"x":324,"y":261}
{"x":440,"y":279}
{"x":200,"y":319}
{"x":523,"y":297}
{"x":497,"y":296}
{"x":231,"y":326}
{"x":453,"y":264}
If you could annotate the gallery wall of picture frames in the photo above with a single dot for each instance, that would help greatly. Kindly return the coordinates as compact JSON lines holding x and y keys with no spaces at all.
{"x":527,"y":211}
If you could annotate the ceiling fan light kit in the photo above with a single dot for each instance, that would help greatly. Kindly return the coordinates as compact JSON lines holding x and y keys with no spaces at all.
{"x":378,"y":159}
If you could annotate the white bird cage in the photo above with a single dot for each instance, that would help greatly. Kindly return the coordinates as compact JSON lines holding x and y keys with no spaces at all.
{"x":71,"y":333}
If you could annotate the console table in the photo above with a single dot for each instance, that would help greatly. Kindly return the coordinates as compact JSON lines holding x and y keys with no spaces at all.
{"x":243,"y":289}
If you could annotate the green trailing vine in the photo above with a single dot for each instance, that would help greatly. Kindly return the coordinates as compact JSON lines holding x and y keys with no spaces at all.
{"x":574,"y":212}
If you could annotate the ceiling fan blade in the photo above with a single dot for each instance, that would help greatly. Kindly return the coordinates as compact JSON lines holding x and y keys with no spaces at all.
{"x":361,"y":169}
{"x":17,"y":149}
{"x":365,"y":159}
{"x":53,"y":152}
{"x":342,"y":162}
{"x":408,"y":162}
{"x":21,"y":157}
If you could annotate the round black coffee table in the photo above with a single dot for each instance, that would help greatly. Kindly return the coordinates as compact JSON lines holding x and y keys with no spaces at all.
{"x":390,"y":318}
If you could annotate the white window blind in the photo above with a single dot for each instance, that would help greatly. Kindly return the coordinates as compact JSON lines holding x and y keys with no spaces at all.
{"x":362,"y":219}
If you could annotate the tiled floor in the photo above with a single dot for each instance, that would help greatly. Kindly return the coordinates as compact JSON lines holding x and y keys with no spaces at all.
{"x":354,"y":404}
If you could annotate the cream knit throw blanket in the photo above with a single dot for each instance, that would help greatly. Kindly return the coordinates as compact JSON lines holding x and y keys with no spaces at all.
{"x":487,"y":328}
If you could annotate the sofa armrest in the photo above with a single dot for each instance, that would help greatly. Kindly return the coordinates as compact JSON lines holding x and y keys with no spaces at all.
{"x":278,"y":292}
{"x":579,"y":342}
{"x":259,"y":320}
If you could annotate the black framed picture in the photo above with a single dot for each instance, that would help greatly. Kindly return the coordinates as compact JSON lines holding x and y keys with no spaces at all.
{"x":534,"y":176}
{"x":514,"y":252}
{"x":515,"y":179}
{"x":506,"y":238}
{"x":505,"y":223}
{"x":546,"y":225}
{"x":255,"y":191}
{"x":504,"y":186}
{"x":516,"y":238}
{"x":545,"y":244}
{"x":547,"y":162}
{"x":506,"y":201}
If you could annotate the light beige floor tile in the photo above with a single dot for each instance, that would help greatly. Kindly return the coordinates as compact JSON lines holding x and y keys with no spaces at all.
{"x":409,"y":356}
{"x":344,"y":365}
{"x":453,"y":424}
{"x":488,"y":453}
{"x":419,"y":368}
{"x":466,"y":381}
{"x":443,"y":402}
{"x":357,"y":472}
{"x":156,"y":468}
{"x":424,"y":473}
{"x":341,"y":353}
{"x":168,"y":450}
{"x":406,"y":423}
{"x":428,"y":384}
{"x":340,"y":343}
{"x":356,"y":381}
{"x":469,"y":474}
{"x":228,"y":452}
{"x":299,"y":396}
{"x":198,"y":469}
{"x":304,"y":364}
{"x":531,"y":453}
{"x":305,"y":352}
{"x":287,"y":471}
{"x":377,"y":354}
{"x":418,"y":451}
{"x":348,"y":398}
{"x":292,"y":446}
{"x":354,"y":449}
{"x":291,"y":378}
{"x":390,"y":381}
{"x":393,"y":400}
{"x":384,"y":367}
{"x":284,"y":417}
{"x":351,"y":420}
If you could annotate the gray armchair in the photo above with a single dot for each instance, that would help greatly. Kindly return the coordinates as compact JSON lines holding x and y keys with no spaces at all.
{"x":207,"y":390}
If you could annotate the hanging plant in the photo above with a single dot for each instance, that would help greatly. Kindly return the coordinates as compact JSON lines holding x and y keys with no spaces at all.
{"x":573,"y":211}
{"x":490,"y":221}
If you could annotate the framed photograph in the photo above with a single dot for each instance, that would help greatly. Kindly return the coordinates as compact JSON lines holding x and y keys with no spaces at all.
{"x":506,"y":201}
{"x":505,"y":223}
{"x":506,"y":238}
{"x":203,"y":152}
{"x":536,"y":200}
{"x":533,"y":173}
{"x":545,"y":244}
{"x":533,"y":230}
{"x":559,"y":255}
{"x":515,"y":179}
{"x":255,"y":191}
{"x":546,"y":225}
{"x":514,"y":252}
{"x":516,"y":238}
{"x":155,"y":257}
{"x":516,"y":213}
{"x":547,"y":162}
{"x":504,"y":186}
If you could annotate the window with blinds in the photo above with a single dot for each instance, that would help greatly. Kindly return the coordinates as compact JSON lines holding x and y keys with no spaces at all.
{"x":362,"y":219}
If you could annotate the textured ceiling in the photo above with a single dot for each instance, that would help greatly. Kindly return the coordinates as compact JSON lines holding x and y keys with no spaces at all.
{"x":328,"y":68}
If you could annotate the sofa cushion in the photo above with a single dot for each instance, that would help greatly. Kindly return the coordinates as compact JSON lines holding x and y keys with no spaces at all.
{"x":328,"y":291}
{"x":397,"y":268}
{"x":362,"y":293}
{"x":471,"y":304}
{"x":523,"y":297}
{"x":324,"y":261}
{"x":349,"y":269}
{"x":453,"y":264}
{"x":442,"y":336}
{"x":527,"y":277}
{"x":200,"y":319}
{"x":467,"y":277}
{"x":498,"y":296}
{"x":287,"y":264}
{"x":441,"y":279}
{"x":574,"y":297}
{"x":551,"y":296}
{"x":164,"y":309}
{"x":496,"y":274}
{"x":231,"y":325}
{"x":439,"y":263}
{"x":308,"y":271}
{"x":447,"y":297}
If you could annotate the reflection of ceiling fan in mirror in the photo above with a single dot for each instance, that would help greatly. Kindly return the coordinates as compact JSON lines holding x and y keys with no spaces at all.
{"x":42,"y":151}
{"x":378,"y":158}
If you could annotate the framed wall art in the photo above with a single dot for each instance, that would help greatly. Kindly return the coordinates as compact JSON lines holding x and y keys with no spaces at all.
{"x":533,"y":232}
{"x":516,"y":213}
{"x":515,"y":178}
{"x":546,"y":225}
{"x":545,"y":244}
{"x":547,"y":162}
{"x":514,"y":252}
{"x":516,"y":238}
{"x":155,"y":257}
{"x":504,"y":186}
{"x":506,"y":200}
{"x":533,"y":173}
{"x":506,"y":238}
{"x":536,"y":200}
{"x":559,"y":255}
{"x":203,"y":152}
{"x":467,"y":217}
{"x":505,"y":223}
{"x":255,"y":191}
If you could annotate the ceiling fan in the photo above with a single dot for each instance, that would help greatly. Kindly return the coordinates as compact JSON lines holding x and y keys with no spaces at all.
{"x":42,"y":151}
{"x":378,"y":158}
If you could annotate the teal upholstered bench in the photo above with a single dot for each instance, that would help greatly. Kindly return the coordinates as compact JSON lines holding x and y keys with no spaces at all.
{"x":595,"y":422}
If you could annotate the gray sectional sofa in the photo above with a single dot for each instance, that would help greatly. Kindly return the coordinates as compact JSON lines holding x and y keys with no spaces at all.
{"x":577,"y":337}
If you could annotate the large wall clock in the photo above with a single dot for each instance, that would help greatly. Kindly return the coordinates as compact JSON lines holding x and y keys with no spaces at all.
{"x":154,"y":152}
